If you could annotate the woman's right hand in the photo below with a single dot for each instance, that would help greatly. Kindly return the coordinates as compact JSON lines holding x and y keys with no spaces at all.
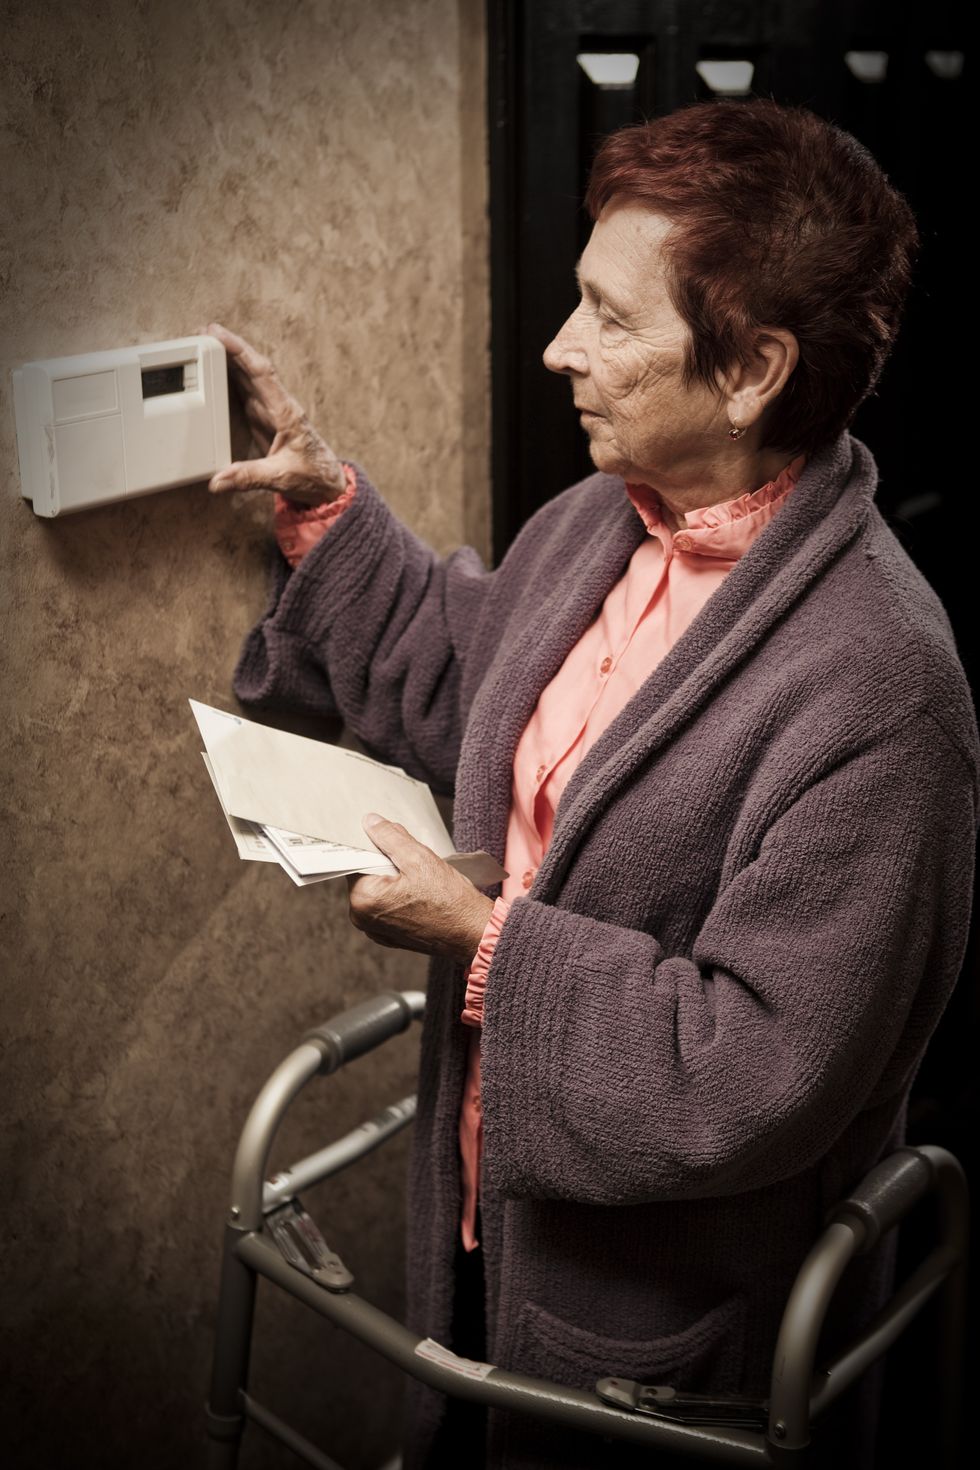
{"x":296,"y":461}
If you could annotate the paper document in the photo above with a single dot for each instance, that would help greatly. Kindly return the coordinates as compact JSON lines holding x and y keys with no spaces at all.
{"x":300,"y":803}
{"x":249,"y":839}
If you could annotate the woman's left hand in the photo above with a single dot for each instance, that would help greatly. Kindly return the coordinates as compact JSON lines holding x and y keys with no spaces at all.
{"x":295,"y":460}
{"x":428,"y":907}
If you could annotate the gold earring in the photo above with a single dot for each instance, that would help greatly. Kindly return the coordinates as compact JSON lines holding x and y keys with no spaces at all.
{"x":735,"y":432}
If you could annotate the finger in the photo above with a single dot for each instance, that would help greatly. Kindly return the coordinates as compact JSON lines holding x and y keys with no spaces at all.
{"x":258,"y":416}
{"x":245,"y":360}
{"x":234,"y":345}
{"x":247,"y":474}
{"x":255,"y":373}
{"x":394,"y":840}
{"x":367,"y":889}
{"x":365,"y":894}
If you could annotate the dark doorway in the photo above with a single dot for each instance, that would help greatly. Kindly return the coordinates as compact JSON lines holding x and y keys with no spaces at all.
{"x":893,"y":76}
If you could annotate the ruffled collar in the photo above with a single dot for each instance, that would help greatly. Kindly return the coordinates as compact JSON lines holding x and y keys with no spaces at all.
{"x":724,"y":530}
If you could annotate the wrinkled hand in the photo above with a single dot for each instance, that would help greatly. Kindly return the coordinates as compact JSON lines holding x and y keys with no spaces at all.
{"x":296,"y":461}
{"x":428,"y":907}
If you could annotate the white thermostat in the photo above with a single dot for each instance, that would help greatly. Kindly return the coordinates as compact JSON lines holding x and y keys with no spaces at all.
{"x":113,"y":425}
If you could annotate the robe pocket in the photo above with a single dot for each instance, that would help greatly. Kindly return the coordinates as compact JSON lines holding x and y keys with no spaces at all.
{"x":708,"y":1353}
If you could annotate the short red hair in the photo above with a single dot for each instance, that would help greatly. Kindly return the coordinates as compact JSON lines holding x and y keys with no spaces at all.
{"x":780,"y":219}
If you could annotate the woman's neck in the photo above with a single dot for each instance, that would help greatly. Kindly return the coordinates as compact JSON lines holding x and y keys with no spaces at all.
{"x":723,"y":479}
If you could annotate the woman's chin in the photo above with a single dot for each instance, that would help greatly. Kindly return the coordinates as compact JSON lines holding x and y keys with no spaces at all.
{"x":605,"y":458}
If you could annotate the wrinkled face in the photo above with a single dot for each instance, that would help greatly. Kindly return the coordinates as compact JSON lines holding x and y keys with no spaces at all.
{"x":623,"y":349}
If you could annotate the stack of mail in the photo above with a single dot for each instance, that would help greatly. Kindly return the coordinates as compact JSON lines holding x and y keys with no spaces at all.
{"x":300,"y":802}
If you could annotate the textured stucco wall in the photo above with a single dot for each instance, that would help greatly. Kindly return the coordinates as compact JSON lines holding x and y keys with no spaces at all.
{"x":312,"y":174}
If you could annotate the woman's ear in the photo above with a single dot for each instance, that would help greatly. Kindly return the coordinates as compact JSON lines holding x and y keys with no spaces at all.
{"x":754,"y":385}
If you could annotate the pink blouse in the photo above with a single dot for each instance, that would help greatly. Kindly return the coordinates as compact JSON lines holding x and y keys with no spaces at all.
{"x":669,"y":579}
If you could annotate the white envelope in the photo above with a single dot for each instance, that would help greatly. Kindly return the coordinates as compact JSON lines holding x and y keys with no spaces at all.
{"x":293,"y":786}
{"x":301,"y":785}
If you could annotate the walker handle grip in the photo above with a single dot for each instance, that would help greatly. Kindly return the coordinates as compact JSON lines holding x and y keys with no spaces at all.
{"x":886,"y":1194}
{"x":361,"y":1029}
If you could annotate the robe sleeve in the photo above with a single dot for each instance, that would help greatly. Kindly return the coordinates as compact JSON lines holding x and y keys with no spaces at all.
{"x":615,"y":1073}
{"x":371,"y":626}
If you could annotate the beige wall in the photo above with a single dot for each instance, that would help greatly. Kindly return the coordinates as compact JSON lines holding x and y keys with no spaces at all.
{"x":313,"y":174}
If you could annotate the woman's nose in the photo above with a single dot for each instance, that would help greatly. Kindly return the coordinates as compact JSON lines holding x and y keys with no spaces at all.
{"x":563,"y":354}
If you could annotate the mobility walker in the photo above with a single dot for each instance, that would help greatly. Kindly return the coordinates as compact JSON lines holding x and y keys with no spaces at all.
{"x":270,"y":1234}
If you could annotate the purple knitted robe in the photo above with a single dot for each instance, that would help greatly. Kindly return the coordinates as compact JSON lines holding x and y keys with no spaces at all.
{"x":702,"y":1023}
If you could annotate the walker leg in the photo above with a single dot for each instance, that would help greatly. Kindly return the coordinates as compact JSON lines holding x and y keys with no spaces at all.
{"x":952,"y":1312}
{"x":954,"y":1218}
{"x":232,"y":1346}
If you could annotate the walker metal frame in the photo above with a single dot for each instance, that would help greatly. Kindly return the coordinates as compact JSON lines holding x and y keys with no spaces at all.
{"x":711,"y":1430}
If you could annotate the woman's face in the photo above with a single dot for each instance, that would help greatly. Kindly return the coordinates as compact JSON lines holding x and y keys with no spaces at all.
{"x":623,"y":348}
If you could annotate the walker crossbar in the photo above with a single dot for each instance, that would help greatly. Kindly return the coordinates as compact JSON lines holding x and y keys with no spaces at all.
{"x":336,"y":1156}
{"x":571,"y":1407}
{"x":798,"y":1395}
{"x":287,"y":1435}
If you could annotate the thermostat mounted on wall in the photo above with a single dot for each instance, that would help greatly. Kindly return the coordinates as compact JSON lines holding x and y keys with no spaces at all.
{"x":113,"y":425}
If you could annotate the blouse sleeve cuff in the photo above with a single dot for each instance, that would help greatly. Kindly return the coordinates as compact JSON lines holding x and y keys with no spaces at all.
{"x":299,"y":527}
{"x":476,"y":977}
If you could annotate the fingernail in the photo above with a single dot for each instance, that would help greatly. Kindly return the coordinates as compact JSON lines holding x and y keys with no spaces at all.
{"x":218,"y":482}
{"x":371,"y":820}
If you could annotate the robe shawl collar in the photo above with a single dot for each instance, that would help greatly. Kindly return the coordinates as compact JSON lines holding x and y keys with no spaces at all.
{"x":828,"y":508}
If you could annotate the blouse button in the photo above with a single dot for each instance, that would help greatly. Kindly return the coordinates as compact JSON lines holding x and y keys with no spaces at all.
{"x":606,"y":665}
{"x":683,"y":543}
{"x":540,"y":772}
{"x":528,"y":878}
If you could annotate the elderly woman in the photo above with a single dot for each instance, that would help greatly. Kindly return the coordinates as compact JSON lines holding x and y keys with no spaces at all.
{"x":713,"y":721}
